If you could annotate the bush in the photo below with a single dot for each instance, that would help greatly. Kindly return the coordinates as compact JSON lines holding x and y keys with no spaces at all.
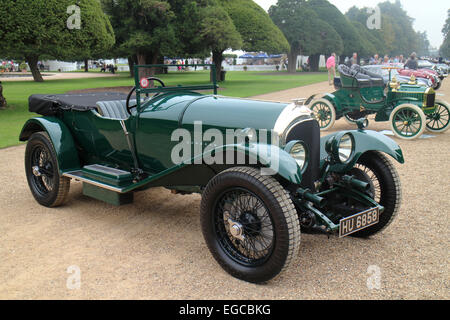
{"x":23,"y":66}
{"x":245,"y":68}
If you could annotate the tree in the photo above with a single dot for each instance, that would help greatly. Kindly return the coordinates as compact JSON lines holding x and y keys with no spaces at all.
{"x":396,"y":36}
{"x":445,"y":47}
{"x":446,"y":28}
{"x":423,"y":44}
{"x":306,"y":33}
{"x":255,"y":27}
{"x":145,"y":29}
{"x":218,"y":33}
{"x":329,"y":13}
{"x":31,"y":29}
{"x":2,"y":98}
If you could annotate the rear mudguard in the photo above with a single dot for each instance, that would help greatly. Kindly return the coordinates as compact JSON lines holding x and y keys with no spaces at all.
{"x":365,"y":140}
{"x":61,"y":138}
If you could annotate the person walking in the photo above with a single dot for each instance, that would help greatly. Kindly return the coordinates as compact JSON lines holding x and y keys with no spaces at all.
{"x":331,"y":66}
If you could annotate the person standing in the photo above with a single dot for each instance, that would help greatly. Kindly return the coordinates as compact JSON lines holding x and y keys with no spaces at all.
{"x":2,"y":98}
{"x":375,"y":59}
{"x":412,"y":62}
{"x":331,"y":66}
{"x":354,"y":59}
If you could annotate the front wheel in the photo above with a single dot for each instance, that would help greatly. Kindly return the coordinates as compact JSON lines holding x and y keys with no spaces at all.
{"x":377,"y":170}
{"x":250,"y":224}
{"x":438,"y":121}
{"x":48,"y":187}
{"x":324,"y":112}
{"x":407,"y":121}
{"x":438,"y":85}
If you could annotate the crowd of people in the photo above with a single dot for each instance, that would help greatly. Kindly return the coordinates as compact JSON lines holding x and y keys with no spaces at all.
{"x":411,"y":63}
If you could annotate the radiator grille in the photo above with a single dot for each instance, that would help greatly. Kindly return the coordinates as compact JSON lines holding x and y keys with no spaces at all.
{"x":309,"y":132}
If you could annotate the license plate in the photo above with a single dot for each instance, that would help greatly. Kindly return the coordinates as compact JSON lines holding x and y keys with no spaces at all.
{"x":358,"y":222}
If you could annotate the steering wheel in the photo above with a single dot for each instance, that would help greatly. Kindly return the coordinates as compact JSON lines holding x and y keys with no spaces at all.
{"x":128,"y":107}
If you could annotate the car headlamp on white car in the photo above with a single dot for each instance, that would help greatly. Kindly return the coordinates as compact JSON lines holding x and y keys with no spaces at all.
{"x":299,"y":152}
{"x":341,"y":147}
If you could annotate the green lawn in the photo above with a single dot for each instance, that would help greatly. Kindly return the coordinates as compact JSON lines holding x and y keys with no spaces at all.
{"x":237,"y":84}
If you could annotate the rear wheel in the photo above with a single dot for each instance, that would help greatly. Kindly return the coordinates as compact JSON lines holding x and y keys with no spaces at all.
{"x":407,"y":121}
{"x":376,"y":169}
{"x":324,"y":112}
{"x":48,"y":187}
{"x":250,"y":224}
{"x":439,"y":120}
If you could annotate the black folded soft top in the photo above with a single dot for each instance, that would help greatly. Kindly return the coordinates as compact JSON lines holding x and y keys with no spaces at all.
{"x":49,"y":104}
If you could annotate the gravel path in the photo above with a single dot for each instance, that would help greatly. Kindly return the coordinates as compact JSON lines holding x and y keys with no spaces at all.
{"x":154,"y":249}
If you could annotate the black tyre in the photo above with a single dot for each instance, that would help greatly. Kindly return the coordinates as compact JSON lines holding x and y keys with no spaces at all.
{"x":376,"y":169}
{"x":48,"y":187}
{"x":439,"y":120}
{"x":438,"y":85}
{"x":250,"y":224}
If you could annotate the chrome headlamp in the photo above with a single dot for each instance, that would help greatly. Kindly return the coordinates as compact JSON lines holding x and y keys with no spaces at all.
{"x":341,"y":147}
{"x":299,"y":152}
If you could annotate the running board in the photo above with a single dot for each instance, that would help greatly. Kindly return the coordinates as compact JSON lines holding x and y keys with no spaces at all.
{"x":100,"y":190}
{"x":79,"y":175}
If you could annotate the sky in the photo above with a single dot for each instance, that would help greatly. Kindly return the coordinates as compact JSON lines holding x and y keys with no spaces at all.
{"x":429,"y":15}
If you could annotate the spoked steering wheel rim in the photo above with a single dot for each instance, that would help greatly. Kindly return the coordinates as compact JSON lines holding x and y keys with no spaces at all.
{"x":134,"y":89}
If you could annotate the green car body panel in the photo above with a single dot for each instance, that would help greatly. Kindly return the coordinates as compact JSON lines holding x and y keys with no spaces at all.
{"x":119,"y":156}
{"x":61,"y":138}
{"x":368,"y":140}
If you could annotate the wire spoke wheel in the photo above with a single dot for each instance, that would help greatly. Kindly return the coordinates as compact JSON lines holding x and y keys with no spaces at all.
{"x":250,"y":224}
{"x":324,"y":113}
{"x":408,"y":121}
{"x":366,"y":174}
{"x":244,"y":227}
{"x":47,"y":186}
{"x":385,"y":188}
{"x":42,"y":165}
{"x":439,"y":120}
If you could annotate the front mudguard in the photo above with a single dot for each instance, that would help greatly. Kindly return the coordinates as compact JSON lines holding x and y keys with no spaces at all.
{"x":273,"y":160}
{"x":61,"y":138}
{"x":365,"y":141}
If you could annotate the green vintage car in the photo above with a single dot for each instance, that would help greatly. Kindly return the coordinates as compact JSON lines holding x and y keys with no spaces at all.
{"x":410,"y":108}
{"x":263,"y":170}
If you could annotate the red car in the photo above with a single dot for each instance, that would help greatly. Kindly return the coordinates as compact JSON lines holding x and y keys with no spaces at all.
{"x":423,"y":73}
